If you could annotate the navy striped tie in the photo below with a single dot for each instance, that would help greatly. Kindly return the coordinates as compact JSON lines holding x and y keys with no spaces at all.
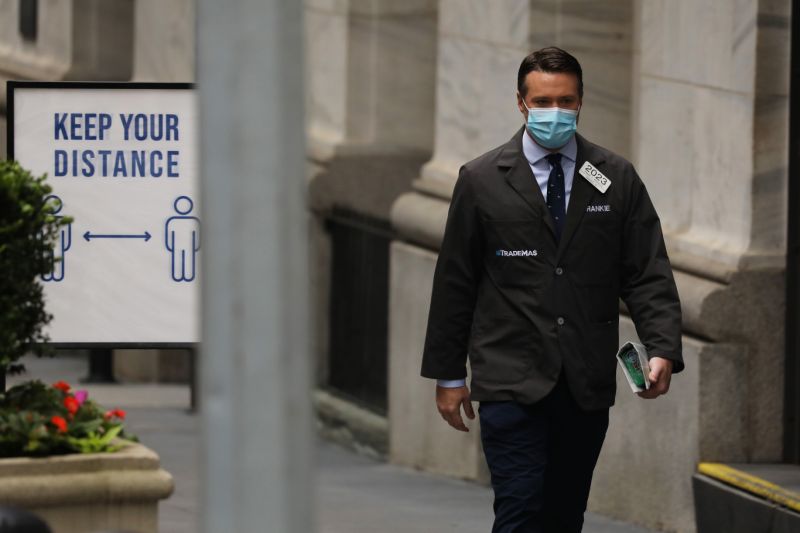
{"x":556,"y":195}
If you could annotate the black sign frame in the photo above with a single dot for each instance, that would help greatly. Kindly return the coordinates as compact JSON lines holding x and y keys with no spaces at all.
{"x":11,"y":87}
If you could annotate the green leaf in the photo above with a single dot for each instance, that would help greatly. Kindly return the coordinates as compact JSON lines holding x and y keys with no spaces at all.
{"x":110,"y":435}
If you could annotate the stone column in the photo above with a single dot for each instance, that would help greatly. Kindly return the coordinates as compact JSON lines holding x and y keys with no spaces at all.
{"x":370,"y":100}
{"x":600,"y":35}
{"x":102,"y":40}
{"x":479,"y":50}
{"x":694,"y":93}
{"x":45,"y":58}
{"x":710,"y":141}
{"x":711,"y":137}
{"x":255,"y":385}
{"x":370,"y":69}
{"x":165,"y":41}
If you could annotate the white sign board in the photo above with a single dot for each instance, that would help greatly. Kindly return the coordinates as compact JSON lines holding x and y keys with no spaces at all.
{"x":122,"y":162}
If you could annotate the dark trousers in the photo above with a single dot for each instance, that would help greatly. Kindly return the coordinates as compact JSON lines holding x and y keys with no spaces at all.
{"x":541,"y":458}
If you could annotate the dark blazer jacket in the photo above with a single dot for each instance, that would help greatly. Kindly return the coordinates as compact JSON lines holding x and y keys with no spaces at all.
{"x":523,"y":307}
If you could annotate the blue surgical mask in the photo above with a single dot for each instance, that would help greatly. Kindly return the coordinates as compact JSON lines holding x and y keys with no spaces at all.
{"x":552,"y":127}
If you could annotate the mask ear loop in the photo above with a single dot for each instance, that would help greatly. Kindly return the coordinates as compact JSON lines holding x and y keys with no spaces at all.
{"x":523,"y":101}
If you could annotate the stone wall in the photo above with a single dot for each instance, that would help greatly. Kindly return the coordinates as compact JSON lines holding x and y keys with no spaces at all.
{"x":164,"y":50}
{"x":695,"y":94}
{"x":49,"y":56}
{"x":400,"y":94}
{"x":370,"y":78}
{"x":101,"y":40}
{"x":711,"y":142}
{"x":652,"y":447}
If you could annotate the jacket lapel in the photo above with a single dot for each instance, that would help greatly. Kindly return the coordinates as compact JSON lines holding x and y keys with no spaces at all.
{"x":582,"y":192}
{"x":520,"y":177}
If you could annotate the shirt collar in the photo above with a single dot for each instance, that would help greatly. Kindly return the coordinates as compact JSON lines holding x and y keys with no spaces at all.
{"x":534,"y":152}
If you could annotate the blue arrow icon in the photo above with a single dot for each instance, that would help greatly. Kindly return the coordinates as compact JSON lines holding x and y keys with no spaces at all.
{"x":89,"y":236}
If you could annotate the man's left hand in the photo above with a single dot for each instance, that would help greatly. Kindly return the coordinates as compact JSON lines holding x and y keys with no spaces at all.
{"x":660,"y":376}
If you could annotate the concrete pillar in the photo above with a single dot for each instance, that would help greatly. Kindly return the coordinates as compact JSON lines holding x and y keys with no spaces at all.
{"x":165,"y":41}
{"x":47,"y":57}
{"x":371,"y":69}
{"x":255,"y":395}
{"x":600,"y":35}
{"x":721,"y":190}
{"x":720,"y":193}
{"x":102,"y":40}
{"x":683,"y":97}
{"x":480,"y":48}
{"x":662,"y":78}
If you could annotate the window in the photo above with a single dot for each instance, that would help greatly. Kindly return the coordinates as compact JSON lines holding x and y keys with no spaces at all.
{"x":28,"y":19}
{"x":359,"y":308}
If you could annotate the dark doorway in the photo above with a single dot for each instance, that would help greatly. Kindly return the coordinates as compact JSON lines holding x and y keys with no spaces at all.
{"x":29,"y":19}
{"x":359,"y":308}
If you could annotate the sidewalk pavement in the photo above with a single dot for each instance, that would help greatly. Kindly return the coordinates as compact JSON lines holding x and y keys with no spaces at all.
{"x":355,"y":494}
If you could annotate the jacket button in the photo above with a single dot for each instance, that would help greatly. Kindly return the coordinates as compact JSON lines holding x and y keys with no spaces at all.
{"x":559,"y":271}
{"x":560,"y":321}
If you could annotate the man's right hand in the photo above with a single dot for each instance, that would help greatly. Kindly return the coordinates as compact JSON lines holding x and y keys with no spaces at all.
{"x":449,"y":402}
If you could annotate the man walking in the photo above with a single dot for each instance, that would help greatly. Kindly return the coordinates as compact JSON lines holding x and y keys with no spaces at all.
{"x":544,"y":235}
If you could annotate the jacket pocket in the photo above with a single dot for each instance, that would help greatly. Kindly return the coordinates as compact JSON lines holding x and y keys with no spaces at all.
{"x":501,"y":349}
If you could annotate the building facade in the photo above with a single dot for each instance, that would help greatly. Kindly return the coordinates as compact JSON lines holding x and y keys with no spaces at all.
{"x":100,"y":40}
{"x":400,"y":94}
{"x":695,"y":94}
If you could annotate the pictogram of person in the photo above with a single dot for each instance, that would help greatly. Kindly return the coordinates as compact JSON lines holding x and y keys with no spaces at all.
{"x":182,"y":239}
{"x":63,"y":243}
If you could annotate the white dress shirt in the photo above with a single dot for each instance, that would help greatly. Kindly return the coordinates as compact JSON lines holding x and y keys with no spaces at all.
{"x":536,"y":156}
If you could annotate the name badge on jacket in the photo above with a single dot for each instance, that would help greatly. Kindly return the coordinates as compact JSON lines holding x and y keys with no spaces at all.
{"x":595,"y":177}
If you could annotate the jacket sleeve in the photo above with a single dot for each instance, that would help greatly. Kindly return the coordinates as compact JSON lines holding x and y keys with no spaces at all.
{"x":647,"y":285}
{"x":455,"y":282}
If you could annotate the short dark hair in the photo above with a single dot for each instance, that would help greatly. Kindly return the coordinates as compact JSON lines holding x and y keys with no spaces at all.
{"x":550,"y":59}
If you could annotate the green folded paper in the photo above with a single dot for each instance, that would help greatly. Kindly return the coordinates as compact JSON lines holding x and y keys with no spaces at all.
{"x":630,"y":359}
{"x":634,"y":362}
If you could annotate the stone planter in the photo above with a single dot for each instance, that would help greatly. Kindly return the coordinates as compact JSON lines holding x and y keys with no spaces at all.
{"x":82,"y":493}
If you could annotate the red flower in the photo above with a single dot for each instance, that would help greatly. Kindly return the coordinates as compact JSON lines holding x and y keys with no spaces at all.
{"x":62,"y":386}
{"x":59,"y":423}
{"x":118,"y":413}
{"x":71,"y":404}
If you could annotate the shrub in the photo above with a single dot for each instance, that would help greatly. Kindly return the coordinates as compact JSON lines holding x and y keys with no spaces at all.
{"x":28,"y":232}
